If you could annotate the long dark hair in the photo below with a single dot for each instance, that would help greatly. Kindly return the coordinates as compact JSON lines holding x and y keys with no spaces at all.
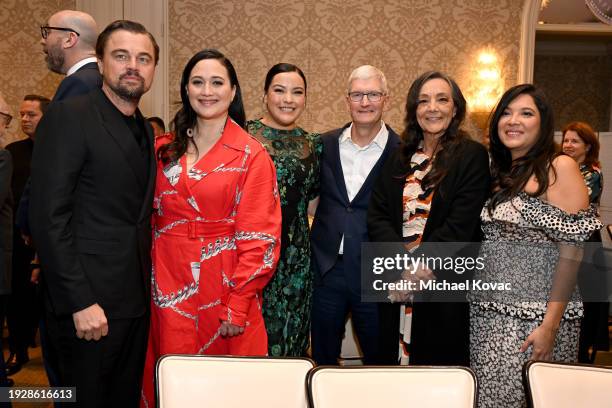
{"x":449,"y":141}
{"x":587,"y":134}
{"x":280,"y":68}
{"x":186,"y":117}
{"x":511,"y":176}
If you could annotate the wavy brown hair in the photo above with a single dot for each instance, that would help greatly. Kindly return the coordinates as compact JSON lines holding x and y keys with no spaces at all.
{"x":449,"y":141}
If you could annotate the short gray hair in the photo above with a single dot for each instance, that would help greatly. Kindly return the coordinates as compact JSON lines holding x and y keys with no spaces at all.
{"x":367,"y":72}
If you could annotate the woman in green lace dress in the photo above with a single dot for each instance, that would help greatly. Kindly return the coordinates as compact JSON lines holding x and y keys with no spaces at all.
{"x":287,"y":298}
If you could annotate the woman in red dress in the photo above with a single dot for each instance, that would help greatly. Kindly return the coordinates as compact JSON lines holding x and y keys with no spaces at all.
{"x":217,"y":224}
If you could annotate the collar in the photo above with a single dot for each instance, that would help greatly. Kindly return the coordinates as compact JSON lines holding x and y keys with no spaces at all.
{"x":379,"y":140}
{"x":79,"y":64}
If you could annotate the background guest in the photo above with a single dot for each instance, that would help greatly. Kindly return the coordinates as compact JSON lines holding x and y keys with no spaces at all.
{"x":217,"y":224}
{"x":6,"y":235}
{"x":23,"y":311}
{"x":538,"y":201}
{"x":582,"y":145}
{"x":287,"y":297}
{"x":431,"y":190}
{"x":159,"y":127}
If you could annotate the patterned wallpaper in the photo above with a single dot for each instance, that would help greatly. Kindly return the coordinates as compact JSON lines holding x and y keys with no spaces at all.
{"x":328,"y":38}
{"x":585,"y":93}
{"x":22,"y":65}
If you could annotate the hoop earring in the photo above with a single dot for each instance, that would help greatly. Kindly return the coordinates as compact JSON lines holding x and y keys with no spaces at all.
{"x":190,"y":133}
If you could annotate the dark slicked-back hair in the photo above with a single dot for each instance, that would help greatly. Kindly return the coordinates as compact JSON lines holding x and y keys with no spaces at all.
{"x":158,"y":121}
{"x":186,"y":118}
{"x":587,"y":134}
{"x":126,"y":25}
{"x":43,"y":101}
{"x":449,"y":141}
{"x":511,"y":176}
{"x":280,"y":68}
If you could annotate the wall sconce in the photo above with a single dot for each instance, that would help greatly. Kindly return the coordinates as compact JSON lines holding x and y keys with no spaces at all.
{"x":486,"y":86}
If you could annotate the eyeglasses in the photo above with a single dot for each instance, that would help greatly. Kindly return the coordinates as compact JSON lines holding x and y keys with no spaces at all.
{"x":7,"y":117}
{"x":373,"y":96}
{"x":44,"y":30}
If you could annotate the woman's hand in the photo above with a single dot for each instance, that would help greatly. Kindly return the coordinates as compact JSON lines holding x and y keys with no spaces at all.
{"x":542,"y":339}
{"x":230,"y":330}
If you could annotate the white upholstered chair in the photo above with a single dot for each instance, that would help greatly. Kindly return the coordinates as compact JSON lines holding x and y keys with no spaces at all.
{"x":185,"y":381}
{"x":563,"y":385}
{"x":366,"y":387}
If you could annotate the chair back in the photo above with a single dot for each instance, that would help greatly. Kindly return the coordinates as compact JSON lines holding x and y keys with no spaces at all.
{"x":365,"y":387}
{"x":563,"y":385}
{"x":184,"y":381}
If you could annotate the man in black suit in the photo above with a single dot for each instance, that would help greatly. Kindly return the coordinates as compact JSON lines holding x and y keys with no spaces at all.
{"x":22,"y":308}
{"x":6,"y":232}
{"x":93,"y":177}
{"x":351,"y":160}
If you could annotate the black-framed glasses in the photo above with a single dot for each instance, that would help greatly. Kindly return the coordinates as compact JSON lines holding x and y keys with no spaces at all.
{"x":7,"y":117}
{"x":373,"y":96}
{"x":44,"y":30}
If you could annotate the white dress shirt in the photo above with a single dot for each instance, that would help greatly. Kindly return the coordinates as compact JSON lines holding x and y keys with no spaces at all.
{"x":79,"y":64}
{"x":357,"y":162}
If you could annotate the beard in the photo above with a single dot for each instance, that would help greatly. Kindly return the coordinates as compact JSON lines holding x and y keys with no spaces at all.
{"x":55,"y":59}
{"x":128,"y":92}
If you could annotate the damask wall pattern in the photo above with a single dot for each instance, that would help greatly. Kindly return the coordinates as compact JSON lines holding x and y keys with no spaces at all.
{"x":328,"y":38}
{"x":579,"y":88}
{"x":22,"y":67}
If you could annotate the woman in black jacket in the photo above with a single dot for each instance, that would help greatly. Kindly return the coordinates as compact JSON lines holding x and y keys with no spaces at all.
{"x":431,"y":190}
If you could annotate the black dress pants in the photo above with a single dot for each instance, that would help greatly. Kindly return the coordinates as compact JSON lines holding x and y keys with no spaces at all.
{"x":107,"y":372}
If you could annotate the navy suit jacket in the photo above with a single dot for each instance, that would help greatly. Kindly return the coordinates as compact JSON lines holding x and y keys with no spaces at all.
{"x":337,"y":216}
{"x":81,"y":82}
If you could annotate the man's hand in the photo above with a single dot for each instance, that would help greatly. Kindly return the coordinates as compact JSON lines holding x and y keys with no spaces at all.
{"x":35,"y":276}
{"x":230,"y":330}
{"x":90,"y":323}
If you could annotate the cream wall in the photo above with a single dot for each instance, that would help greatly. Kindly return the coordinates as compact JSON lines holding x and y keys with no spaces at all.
{"x":328,"y":38}
{"x":22,"y":67}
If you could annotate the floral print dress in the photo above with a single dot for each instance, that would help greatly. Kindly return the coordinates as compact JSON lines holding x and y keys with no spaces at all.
{"x":287,"y":298}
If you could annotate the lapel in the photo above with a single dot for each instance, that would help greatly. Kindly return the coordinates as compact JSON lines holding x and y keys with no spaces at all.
{"x":336,"y":163}
{"x":115,"y":126}
{"x":392,"y":142}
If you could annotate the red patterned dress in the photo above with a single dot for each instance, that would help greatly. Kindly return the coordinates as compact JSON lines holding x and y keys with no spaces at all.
{"x":216,"y":243}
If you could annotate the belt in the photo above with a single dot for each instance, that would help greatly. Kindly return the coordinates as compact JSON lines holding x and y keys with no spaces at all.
{"x":193,"y":228}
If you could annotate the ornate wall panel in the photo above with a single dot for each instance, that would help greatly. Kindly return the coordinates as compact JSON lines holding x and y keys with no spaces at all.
{"x":328,"y":38}
{"x":578,"y":88}
{"x":22,"y":66}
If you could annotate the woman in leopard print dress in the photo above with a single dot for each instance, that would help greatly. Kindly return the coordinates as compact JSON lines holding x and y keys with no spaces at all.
{"x":533,"y":223}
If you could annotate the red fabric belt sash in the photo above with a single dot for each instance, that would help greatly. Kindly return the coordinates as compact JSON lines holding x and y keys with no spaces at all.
{"x":194,"y":228}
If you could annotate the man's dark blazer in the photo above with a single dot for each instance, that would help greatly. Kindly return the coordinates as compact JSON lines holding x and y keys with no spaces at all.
{"x":6,"y":222}
{"x":337,"y":216}
{"x":90,"y":210}
{"x":440,"y":331}
{"x":80,"y":82}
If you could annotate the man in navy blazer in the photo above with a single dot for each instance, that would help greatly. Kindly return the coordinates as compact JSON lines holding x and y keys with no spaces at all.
{"x":351,"y":159}
{"x":69,"y":42}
